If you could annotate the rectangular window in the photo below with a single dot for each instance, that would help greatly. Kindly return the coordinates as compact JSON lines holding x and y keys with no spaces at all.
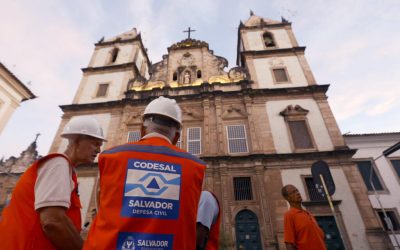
{"x":396,"y":166}
{"x":237,"y":141}
{"x":134,"y":136}
{"x":312,"y":190}
{"x":365,"y":168}
{"x":194,"y":141}
{"x":280,"y":75}
{"x":242,"y":188}
{"x":102,"y":90}
{"x":393,"y":220}
{"x":300,"y":135}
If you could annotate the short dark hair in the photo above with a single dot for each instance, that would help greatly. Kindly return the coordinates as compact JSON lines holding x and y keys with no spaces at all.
{"x":284,"y":191}
{"x":162,"y":120}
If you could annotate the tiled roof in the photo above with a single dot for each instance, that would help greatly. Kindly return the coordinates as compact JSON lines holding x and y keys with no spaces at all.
{"x":372,"y":134}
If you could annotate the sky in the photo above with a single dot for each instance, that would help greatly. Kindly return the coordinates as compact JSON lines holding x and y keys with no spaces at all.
{"x":353,"y":45}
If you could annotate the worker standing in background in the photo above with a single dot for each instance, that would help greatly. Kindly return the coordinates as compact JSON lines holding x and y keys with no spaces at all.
{"x":301,"y":230}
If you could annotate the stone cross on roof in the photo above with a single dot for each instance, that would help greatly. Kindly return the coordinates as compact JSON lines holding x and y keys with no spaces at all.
{"x":188,"y":31}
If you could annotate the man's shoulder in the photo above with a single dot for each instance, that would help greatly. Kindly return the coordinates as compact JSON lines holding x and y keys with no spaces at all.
{"x":53,"y":159}
{"x":292,"y":212}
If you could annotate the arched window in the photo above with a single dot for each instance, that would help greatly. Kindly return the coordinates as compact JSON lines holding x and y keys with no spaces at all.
{"x":268,"y":40}
{"x":247,"y":230}
{"x":114,"y":55}
{"x":198,"y":73}
{"x":174,"y":76}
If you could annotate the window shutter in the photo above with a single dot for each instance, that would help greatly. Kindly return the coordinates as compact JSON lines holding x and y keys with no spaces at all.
{"x":280,"y":75}
{"x":237,"y":140}
{"x":102,"y":90}
{"x":301,"y":137}
{"x":194,"y":141}
{"x":312,"y":190}
{"x":365,"y":168}
{"x":134,"y":136}
{"x":396,"y":166}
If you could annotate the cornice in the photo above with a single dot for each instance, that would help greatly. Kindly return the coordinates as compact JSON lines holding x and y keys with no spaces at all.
{"x":265,"y":25}
{"x":109,"y":67}
{"x":29,"y":94}
{"x":196,"y":92}
{"x":105,"y":44}
{"x":273,"y":51}
{"x":321,"y":203}
{"x":344,"y":152}
{"x":188,"y":43}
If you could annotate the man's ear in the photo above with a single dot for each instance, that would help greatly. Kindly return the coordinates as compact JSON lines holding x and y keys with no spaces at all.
{"x":176,"y":137}
{"x":142,"y":131}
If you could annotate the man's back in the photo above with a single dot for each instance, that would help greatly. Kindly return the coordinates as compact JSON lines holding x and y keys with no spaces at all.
{"x":149,"y":192}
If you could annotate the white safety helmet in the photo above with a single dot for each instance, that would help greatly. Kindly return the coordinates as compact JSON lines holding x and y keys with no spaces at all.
{"x":166,"y":107}
{"x":83,"y":125}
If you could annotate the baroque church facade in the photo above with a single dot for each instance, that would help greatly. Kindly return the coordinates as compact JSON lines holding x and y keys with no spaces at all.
{"x":259,"y":126}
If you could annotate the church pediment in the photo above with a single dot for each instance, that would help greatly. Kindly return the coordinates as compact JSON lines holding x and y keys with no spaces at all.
{"x":291,"y":111}
{"x":189,"y":114}
{"x":134,"y":118}
{"x":188,"y":43}
{"x":233,"y":112}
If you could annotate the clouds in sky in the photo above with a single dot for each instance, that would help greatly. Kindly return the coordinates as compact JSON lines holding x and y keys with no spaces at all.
{"x":352,"y":45}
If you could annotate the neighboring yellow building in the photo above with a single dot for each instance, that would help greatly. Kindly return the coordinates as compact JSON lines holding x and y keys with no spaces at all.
{"x":12,"y":93}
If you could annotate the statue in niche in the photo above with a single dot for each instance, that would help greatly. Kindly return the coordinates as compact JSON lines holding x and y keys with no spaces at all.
{"x":186,"y":78}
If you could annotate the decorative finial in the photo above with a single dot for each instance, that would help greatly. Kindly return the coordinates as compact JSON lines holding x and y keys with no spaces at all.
{"x":101,"y":40}
{"x":251,"y":13}
{"x":37,"y":136}
{"x":284,"y":20}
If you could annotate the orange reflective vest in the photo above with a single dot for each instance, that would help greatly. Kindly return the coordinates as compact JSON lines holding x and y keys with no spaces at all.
{"x":213,"y":237}
{"x":20,"y":226}
{"x":149,"y":194}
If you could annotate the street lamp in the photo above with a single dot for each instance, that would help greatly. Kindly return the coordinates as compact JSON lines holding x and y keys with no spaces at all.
{"x":387,"y":220}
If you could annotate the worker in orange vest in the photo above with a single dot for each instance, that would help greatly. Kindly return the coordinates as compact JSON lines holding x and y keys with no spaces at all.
{"x":150,"y":189}
{"x":44,"y":210}
{"x":208,"y":221}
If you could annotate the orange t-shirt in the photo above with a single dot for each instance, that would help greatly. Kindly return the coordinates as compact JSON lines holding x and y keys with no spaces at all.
{"x":302,"y":229}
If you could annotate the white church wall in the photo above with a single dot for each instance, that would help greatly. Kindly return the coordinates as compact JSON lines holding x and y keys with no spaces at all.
{"x":125,"y":54}
{"x":139,"y":59}
{"x":117,"y":86}
{"x":352,"y":220}
{"x":102,"y":56}
{"x":280,"y":132}
{"x":9,"y":102}
{"x":256,"y":42}
{"x":282,"y":38}
{"x":263,"y":70}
